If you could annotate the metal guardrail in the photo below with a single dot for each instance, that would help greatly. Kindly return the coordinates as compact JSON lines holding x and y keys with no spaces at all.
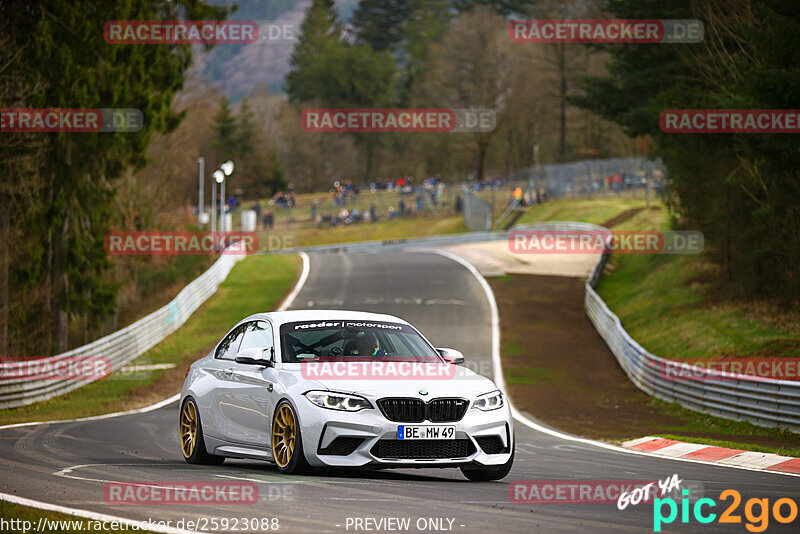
{"x":134,"y":340}
{"x":121,"y":346}
{"x":763,"y":402}
{"x":443,"y":240}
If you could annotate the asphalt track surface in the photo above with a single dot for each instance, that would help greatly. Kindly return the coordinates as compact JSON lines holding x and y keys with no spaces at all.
{"x":68,"y":464}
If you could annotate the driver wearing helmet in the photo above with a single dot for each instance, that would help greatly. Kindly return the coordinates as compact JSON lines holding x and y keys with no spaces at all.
{"x":368,"y":345}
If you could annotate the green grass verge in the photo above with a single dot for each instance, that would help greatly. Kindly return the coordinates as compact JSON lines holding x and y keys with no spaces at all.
{"x":663,"y":302}
{"x":393,"y":229}
{"x":791,"y":451}
{"x":256,"y":284}
{"x":710,"y":430}
{"x":595,"y":211}
{"x":24,"y":519}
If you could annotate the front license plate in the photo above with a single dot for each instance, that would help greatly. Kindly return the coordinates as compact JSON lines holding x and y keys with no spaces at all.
{"x":425,"y":432}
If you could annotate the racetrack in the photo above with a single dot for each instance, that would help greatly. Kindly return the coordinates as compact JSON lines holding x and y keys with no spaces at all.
{"x":68,"y":463}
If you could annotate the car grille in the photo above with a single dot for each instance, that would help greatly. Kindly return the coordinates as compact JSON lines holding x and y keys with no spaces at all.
{"x":422,"y":449}
{"x":491,"y":444}
{"x":416,"y":410}
{"x":341,"y":446}
{"x":444,"y":410}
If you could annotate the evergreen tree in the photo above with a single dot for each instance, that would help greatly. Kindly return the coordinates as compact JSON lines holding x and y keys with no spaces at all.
{"x":741,"y":190}
{"x":320,"y":34}
{"x":226,"y":137}
{"x":65,"y":55}
{"x":381,"y":23}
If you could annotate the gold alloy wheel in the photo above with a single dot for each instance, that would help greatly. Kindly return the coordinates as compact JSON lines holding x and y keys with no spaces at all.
{"x":284,"y":430}
{"x":188,"y":428}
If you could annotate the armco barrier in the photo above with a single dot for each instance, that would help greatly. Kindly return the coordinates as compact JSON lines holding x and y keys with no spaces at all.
{"x":444,"y":240}
{"x":134,"y":340}
{"x":123,"y":345}
{"x":763,"y":402}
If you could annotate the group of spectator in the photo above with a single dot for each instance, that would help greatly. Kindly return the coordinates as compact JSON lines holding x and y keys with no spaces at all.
{"x":344,"y":191}
{"x":405,"y":184}
{"x":413,"y":199}
{"x":267,"y":219}
{"x":285,"y":199}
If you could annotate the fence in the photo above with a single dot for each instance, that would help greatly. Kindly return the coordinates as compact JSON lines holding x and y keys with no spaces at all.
{"x":120,"y":347}
{"x":591,"y":178}
{"x":322,"y":209}
{"x":477,"y":212}
{"x":764,"y":402}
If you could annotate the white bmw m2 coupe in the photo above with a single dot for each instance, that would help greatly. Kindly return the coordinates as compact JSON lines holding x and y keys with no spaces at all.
{"x":305,"y":389}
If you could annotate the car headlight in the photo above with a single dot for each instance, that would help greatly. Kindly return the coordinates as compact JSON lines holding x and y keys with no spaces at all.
{"x":489,"y":401}
{"x":338,"y":401}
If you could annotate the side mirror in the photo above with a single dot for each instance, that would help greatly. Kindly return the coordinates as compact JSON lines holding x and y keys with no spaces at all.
{"x":256,"y":356}
{"x":453,"y":356}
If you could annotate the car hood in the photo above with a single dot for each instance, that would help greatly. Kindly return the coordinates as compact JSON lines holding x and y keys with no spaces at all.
{"x":458,"y":382}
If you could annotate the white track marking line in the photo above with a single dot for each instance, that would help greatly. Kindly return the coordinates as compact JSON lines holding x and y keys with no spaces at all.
{"x":500,"y":382}
{"x":147,"y":367}
{"x":103,"y":517}
{"x":285,"y":304}
{"x":299,"y":285}
{"x":94,"y":516}
{"x":146,"y":409}
{"x":143,"y":484}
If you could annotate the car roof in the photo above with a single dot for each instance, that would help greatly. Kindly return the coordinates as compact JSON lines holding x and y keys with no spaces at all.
{"x":290,"y":316}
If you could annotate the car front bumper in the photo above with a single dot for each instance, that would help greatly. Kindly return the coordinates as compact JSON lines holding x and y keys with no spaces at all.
{"x":320,"y":427}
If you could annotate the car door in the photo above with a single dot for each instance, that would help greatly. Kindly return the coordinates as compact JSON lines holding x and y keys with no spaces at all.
{"x":245,"y":391}
{"x":220,"y":367}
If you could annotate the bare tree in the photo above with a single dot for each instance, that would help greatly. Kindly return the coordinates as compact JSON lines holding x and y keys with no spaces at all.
{"x":470,"y":68}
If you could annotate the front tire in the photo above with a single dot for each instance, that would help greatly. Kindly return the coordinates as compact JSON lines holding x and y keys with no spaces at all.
{"x":287,"y":443}
{"x":190,"y":432}
{"x":485,"y":474}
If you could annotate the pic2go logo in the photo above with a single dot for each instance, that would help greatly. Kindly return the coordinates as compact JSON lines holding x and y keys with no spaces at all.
{"x":758,"y":521}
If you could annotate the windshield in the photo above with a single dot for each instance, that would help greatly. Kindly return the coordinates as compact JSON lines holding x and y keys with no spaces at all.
{"x":354,"y":340}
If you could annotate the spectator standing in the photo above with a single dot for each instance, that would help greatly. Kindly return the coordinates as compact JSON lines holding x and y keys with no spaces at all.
{"x":257,"y":209}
